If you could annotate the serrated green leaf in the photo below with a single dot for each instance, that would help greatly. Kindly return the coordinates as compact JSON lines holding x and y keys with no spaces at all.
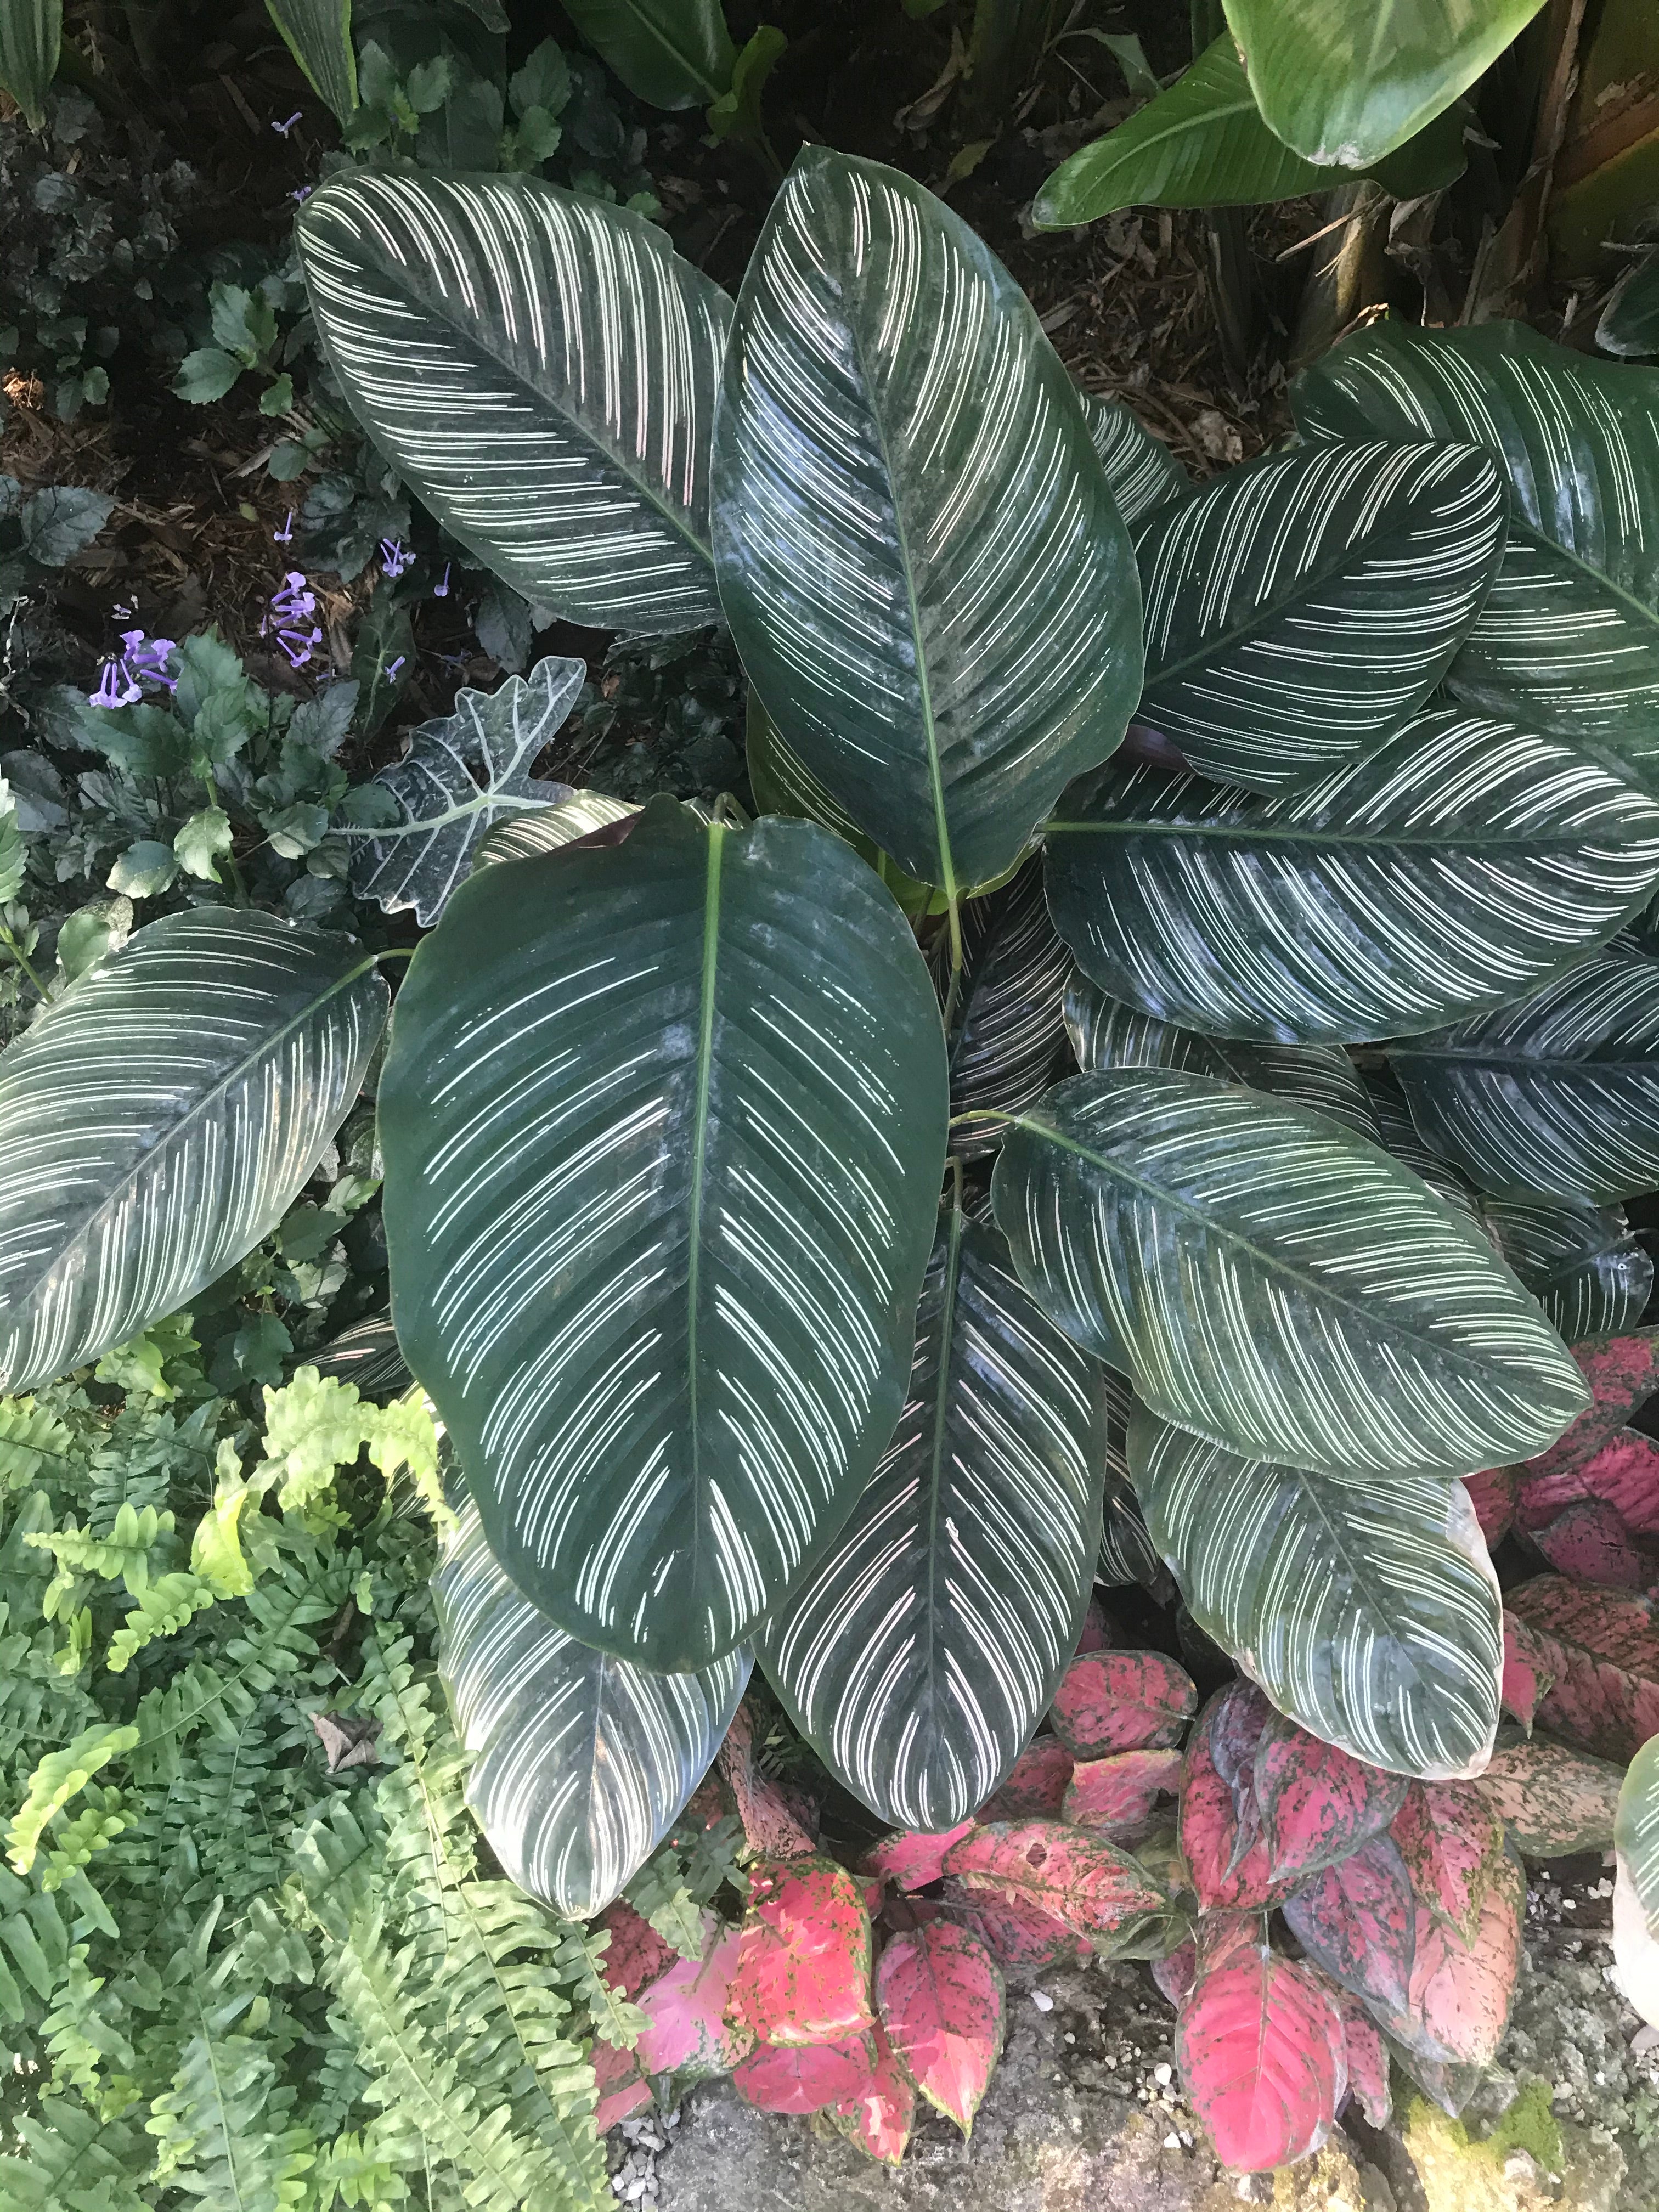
{"x":59,"y":1776}
{"x":203,"y":842}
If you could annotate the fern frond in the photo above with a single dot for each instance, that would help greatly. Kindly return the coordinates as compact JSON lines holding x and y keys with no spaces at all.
{"x":59,"y":1776}
{"x":30,"y":1437}
{"x":77,"y":2162}
{"x":165,"y":1607}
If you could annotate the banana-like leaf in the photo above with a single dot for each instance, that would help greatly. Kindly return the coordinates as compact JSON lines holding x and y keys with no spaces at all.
{"x":1451,"y":868}
{"x":541,"y":369}
{"x":1140,"y":469}
{"x":1582,"y":1263}
{"x":1346,"y":85}
{"x":581,"y":1763}
{"x":161,"y":1116}
{"x":664,"y":1125}
{"x":462,"y":774}
{"x":31,"y":38}
{"x":368,"y":1356}
{"x":318,"y":33}
{"x":1364,"y":1606}
{"x":921,"y":1651}
{"x":1636,"y":1891}
{"x":1557,"y":1096}
{"x":918,"y":551}
{"x":1303,"y":608}
{"x":1008,"y":1040}
{"x":1568,"y":639}
{"x":1273,"y":1282}
{"x":672,"y":53}
{"x":1105,"y":1033}
{"x":521,"y":836}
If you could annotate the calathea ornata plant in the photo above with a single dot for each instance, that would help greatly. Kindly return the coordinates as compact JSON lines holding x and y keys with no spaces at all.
{"x":686,"y":1123}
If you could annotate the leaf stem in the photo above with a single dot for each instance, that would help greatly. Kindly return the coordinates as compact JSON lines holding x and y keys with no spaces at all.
{"x":21,"y":959}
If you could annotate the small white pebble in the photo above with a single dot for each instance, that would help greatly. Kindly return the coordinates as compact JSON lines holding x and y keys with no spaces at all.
{"x":1069,"y":2037}
{"x":1172,"y":2142}
{"x":1163,"y":2075}
{"x":1042,"y":2001}
{"x":1570,"y":1904}
{"x":1111,"y":2058}
{"x":1186,"y":2139}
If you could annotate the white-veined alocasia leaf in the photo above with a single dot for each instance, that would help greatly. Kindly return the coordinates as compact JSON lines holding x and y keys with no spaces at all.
{"x":1557,"y":1097}
{"x":1582,"y":1263}
{"x":918,"y":551}
{"x":923,"y":1649}
{"x":1363,"y":1604}
{"x":1273,"y":1281}
{"x":1636,"y":1888}
{"x":1105,"y":1033}
{"x":671,"y":54}
{"x":1451,"y":868}
{"x":1343,"y":84}
{"x":541,"y":369}
{"x":581,"y":1762}
{"x":462,"y":773}
{"x":31,"y":39}
{"x":664,"y":1124}
{"x":1140,"y":469}
{"x":521,"y":836}
{"x":1568,"y":639}
{"x":318,"y":33}
{"x":161,"y":1116}
{"x":1008,"y":1036}
{"x":1303,"y":608}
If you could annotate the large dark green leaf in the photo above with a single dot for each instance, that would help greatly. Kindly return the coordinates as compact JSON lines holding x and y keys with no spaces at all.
{"x":782,"y":783}
{"x":926,"y":1643}
{"x":318,"y":33}
{"x":541,"y":369}
{"x":1568,"y":640}
{"x":1398,"y":1133}
{"x":1008,"y":1037}
{"x":162,"y":1116}
{"x":31,"y":36}
{"x":1305,"y":606}
{"x":1363,"y":1604}
{"x":1629,"y":321}
{"x":1126,"y":1552}
{"x":664,"y":1123}
{"x":1582,"y":1263}
{"x":1273,"y":1282}
{"x":1558,"y":1095}
{"x":673,"y":53}
{"x":1140,"y":469}
{"x":918,"y":552}
{"x":1451,"y":868}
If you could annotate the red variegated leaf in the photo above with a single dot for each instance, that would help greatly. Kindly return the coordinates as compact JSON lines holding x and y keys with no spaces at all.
{"x":1227,"y":1860}
{"x":1460,"y":1993}
{"x":1317,"y":1803}
{"x":1602,"y":1647}
{"x":635,"y":1954}
{"x":1358,"y":1921}
{"x":624,"y":2090}
{"x":1089,"y":1886}
{"x":771,"y":1824}
{"x":802,"y":1971}
{"x":879,"y":2116}
{"x":1112,"y":1701}
{"x":940,"y":1999}
{"x":1623,"y":1374}
{"x":1492,"y":1493}
{"x":1526,"y":1672}
{"x":1553,"y":1800}
{"x":1097,"y":1631}
{"x":1368,"y":2061}
{"x":690,"y":2034}
{"x":1452,"y":1843}
{"x":1174,"y":1975}
{"x":1019,"y":1937}
{"x":914,"y":1859}
{"x":1036,"y":1783}
{"x":1263,"y":2058}
{"x":806,"y":2078}
{"x":1590,"y":1542}
{"x":1624,"y":1474}
{"x":1113,"y":1797}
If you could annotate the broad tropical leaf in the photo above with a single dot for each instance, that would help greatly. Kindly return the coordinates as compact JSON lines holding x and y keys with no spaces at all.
{"x":880,"y":2113}
{"x":1359,"y":1920}
{"x":1140,"y":469}
{"x":581,"y":1763}
{"x":1630,"y":320}
{"x":664,"y":1124}
{"x":1568,"y":639}
{"x":672,"y":53}
{"x":1459,"y":2003}
{"x":1450,"y":869}
{"x":1553,"y":1800}
{"x":1635,"y":1894}
{"x":1528,"y":1671}
{"x":1113,"y":1797}
{"x":1126,"y":1550}
{"x":318,"y":33}
{"x":1089,"y":1886}
{"x":690,"y":2033}
{"x":1317,"y":1803}
{"x":1263,"y":2060}
{"x":1019,"y":1935}
{"x":368,"y":1356}
{"x":782,"y":783}
{"x":1036,"y":1783}
{"x":941,"y":2002}
{"x":1492,"y":1493}
{"x":1582,"y":1263}
{"x":31,"y":37}
{"x":803,"y":1974}
{"x":1113,"y":1701}
{"x":1590,"y":1541}
{"x":1602,"y":1648}
{"x":1008,"y":1038}
{"x":1363,"y":1604}
{"x":1452,"y":1844}
{"x":919,"y":1653}
{"x":161,"y":1116}
{"x":1398,"y":1134}
{"x":1302,"y":609}
{"x":1274,"y":1282}
{"x":914,"y":1859}
{"x":1624,"y":1473}
{"x":1367,"y":2062}
{"x":918,"y":552}
{"x":806,"y":2078}
{"x":520,"y":837}
{"x":1220,"y":1828}
{"x":541,"y":369}
{"x":1556,"y":1096}
{"x":462,"y":774}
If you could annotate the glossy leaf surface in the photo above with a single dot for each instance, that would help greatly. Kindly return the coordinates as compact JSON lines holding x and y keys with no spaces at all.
{"x":1262,"y":2059}
{"x":1008,"y":1039}
{"x":691,"y":2034}
{"x":1624,"y":1473}
{"x":1553,"y":1800}
{"x":1461,"y":1992}
{"x":545,"y":829}
{"x":1115,"y":1796}
{"x":1528,"y":1670}
{"x":940,"y":1999}
{"x":1317,"y":1803}
{"x":1590,"y":1541}
{"x":880,"y":2113}
{"x":1636,"y":1899}
{"x":803,"y":1973}
{"x":1582,"y":1263}
{"x":1036,"y":1781}
{"x":1090,"y":1887}
{"x":1220,"y":1828}
{"x":781,"y":2078}
{"x":31,"y":39}
{"x":1358,"y":1920}
{"x":1139,"y":467}
{"x":318,"y":33}
{"x":914,"y":1858}
{"x":1112,"y":1701}
{"x":1623,"y":1374}
{"x":1453,"y":1846}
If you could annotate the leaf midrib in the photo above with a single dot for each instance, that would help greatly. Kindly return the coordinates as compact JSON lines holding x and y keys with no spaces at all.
{"x":655,"y":31}
{"x":1384,"y":840}
{"x":1520,"y":526}
{"x":943,"y":1378}
{"x":710,"y":976}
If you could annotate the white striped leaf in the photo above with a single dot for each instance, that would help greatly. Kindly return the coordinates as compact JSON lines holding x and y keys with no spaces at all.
{"x":664,"y":1125}
{"x":1363,"y":1604}
{"x":1008,"y":1037}
{"x":368,"y":1356}
{"x":1126,"y":1554}
{"x":1104,"y":1033}
{"x":318,"y":33}
{"x":926,"y":1643}
{"x":462,"y":774}
{"x":1453,"y":867}
{"x":1140,"y":469}
{"x":1273,"y":1282}
{"x":541,"y":369}
{"x":521,"y":836}
{"x":1397,"y":1133}
{"x":162,"y":1116}
{"x":1582,"y":1263}
{"x":581,"y":1763}
{"x":780,"y":782}
{"x":1557,"y":1096}
{"x":1636,"y":1889}
{"x":1304,"y":607}
{"x":918,"y":551}
{"x":1568,"y":639}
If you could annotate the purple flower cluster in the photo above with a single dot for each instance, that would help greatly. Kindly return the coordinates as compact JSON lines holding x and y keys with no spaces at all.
{"x":141,"y":660}
{"x":290,"y":621}
{"x":395,"y":557}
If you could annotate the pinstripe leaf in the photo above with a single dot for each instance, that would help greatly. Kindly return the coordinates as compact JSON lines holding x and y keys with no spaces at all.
{"x":521,"y":836}
{"x":541,"y":369}
{"x":1140,"y":469}
{"x":318,"y":33}
{"x":1304,"y":607}
{"x":664,"y":1123}
{"x":581,"y":1763}
{"x":1126,"y":1550}
{"x":921,"y":1651}
{"x":1364,"y":1605}
{"x":1008,"y":1040}
{"x":1557,"y":1096}
{"x":1568,"y":639}
{"x":1274,"y":1282}
{"x":1398,"y":1134}
{"x":782,"y":783}
{"x":918,"y":552}
{"x":673,"y":53}
{"x":1582,"y":1263}
{"x":1451,"y":868}
{"x":1635,"y":1890}
{"x":161,"y":1116}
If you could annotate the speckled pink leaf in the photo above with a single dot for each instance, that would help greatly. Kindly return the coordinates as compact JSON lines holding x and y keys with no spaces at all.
{"x":1112,"y":1701}
{"x":1553,"y":1800}
{"x":1368,"y":2061}
{"x":939,"y":1996}
{"x":1113,"y":1797}
{"x":771,"y":1822}
{"x":1091,"y":1886}
{"x":800,"y":2078}
{"x":690,"y":2033}
{"x":1358,"y":1921}
{"x":1452,"y":1843}
{"x":1019,"y":1937}
{"x":1097,"y":1631}
{"x":1624,"y":1473}
{"x":1262,"y":2059}
{"x":880,"y":2116}
{"x":802,"y":1971}
{"x":1174,"y":1974}
{"x":1317,"y":1803}
{"x":635,"y":1954}
{"x":1492,"y":1493}
{"x":1590,"y":1542}
{"x":1460,"y":1993}
{"x":1602,"y":1647}
{"x":1228,"y":1863}
{"x":1623,"y":1373}
{"x":1526,"y":1672}
{"x":624,"y":2090}
{"x":1036,"y":1785}
{"x":912,"y":1860}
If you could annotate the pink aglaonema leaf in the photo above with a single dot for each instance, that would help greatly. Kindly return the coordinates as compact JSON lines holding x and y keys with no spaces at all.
{"x":1358,"y":1921}
{"x":1112,"y":1701}
{"x":1623,"y":1374}
{"x":1263,"y":2058}
{"x":690,"y":2034}
{"x":1019,"y":1937}
{"x":912,"y":1860}
{"x":940,"y":1998}
{"x":1527,"y":1671}
{"x":635,"y":1954}
{"x":1603,"y":1647}
{"x":1590,"y":1542}
{"x":1553,"y":1800}
{"x":1226,"y":1858}
{"x":1174,"y":1974}
{"x":1461,"y":1992}
{"x":1113,"y":1797}
{"x":1317,"y":1803}
{"x":1091,"y":1887}
{"x":1492,"y":1493}
{"x":803,"y":1971}
{"x":624,"y":2090}
{"x":879,"y":2116}
{"x":1368,"y":2061}
{"x":806,"y":2078}
{"x":1624,"y":1473}
{"x":1036,"y":1783}
{"x":1452,"y":1843}
{"x":771,"y":1824}
{"x":1097,"y":1631}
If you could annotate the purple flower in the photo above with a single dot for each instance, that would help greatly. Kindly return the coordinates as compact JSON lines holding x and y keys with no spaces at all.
{"x":300,"y":195}
{"x":283,"y":129}
{"x":391,"y":672}
{"x":115,"y":686}
{"x":441,"y":591}
{"x":285,"y":535}
{"x":141,"y":660}
{"x":292,"y":607}
{"x":394,"y":559}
